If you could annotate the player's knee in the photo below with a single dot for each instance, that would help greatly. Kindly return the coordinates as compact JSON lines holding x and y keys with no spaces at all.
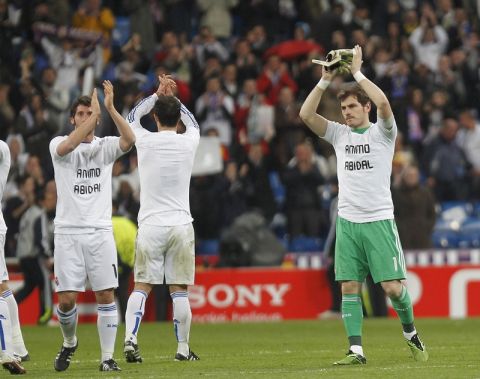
{"x":105,"y":296}
{"x":393,"y":289}
{"x":66,"y":303}
{"x":350,"y":288}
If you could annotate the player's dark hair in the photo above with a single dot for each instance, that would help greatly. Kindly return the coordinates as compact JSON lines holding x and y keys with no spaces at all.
{"x":353,"y":89}
{"x":82,"y":100}
{"x":167,"y":110}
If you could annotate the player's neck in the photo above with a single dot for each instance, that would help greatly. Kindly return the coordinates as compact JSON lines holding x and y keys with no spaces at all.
{"x":361,"y":129}
{"x":167,"y":128}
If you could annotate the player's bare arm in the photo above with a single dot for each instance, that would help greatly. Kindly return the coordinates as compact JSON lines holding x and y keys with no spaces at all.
{"x":82,"y":130}
{"x":127,"y":137}
{"x":384,"y":111}
{"x":308,"y":112}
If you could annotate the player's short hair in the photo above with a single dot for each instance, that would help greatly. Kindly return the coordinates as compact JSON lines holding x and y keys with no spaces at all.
{"x":353,"y":89}
{"x":167,"y":110}
{"x":82,"y":100}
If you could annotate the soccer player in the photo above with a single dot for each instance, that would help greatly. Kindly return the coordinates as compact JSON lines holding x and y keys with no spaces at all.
{"x":165,"y":240}
{"x":84,"y":244}
{"x":8,"y":306}
{"x":367,"y":238}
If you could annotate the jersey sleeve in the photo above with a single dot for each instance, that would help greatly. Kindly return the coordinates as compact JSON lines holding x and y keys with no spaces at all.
{"x":191,"y":125}
{"x":333,"y":130}
{"x":4,"y":151}
{"x":53,"y":149}
{"x":388,"y":127}
{"x":111,"y":149}
{"x":141,"y":109}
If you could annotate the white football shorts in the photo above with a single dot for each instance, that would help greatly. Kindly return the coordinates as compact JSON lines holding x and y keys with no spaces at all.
{"x":165,"y":251}
{"x":3,"y":264}
{"x":81,"y":256}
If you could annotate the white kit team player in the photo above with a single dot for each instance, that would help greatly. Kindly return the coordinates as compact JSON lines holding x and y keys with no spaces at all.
{"x":11,"y":340}
{"x":165,"y":240}
{"x":84,"y":243}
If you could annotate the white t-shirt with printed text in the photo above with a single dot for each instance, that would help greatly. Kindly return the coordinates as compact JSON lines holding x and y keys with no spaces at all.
{"x":165,"y":162}
{"x":4,"y":169}
{"x":364,"y":167}
{"x":84,"y":185}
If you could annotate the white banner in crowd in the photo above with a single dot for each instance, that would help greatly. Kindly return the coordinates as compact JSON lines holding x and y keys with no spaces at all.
{"x":208,"y":159}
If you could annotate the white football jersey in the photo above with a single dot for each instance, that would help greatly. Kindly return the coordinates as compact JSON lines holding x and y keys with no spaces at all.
{"x":4,"y":168}
{"x":84,"y":185}
{"x":364,"y":167}
{"x":165,"y":161}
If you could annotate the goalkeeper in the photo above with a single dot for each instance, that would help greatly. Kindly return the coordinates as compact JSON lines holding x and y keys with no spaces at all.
{"x":367,"y":237}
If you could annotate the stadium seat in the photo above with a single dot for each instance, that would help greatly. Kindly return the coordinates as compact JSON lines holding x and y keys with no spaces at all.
{"x":455,"y":210}
{"x":446,"y":234}
{"x":207,"y":247}
{"x":469,"y":234}
{"x":305,"y":244}
{"x":121,"y":32}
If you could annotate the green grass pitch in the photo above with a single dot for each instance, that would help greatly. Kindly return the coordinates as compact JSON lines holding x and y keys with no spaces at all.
{"x":293,"y":349}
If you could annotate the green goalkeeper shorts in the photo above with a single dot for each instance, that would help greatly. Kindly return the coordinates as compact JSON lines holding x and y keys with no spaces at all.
{"x":372,"y":247}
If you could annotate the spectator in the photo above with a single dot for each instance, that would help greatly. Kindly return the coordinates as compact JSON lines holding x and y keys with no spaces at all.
{"x":445,"y":164}
{"x":205,"y":44}
{"x":141,"y":23}
{"x":15,"y":207}
{"x":303,"y":206}
{"x":57,"y":99}
{"x":429,"y":40}
{"x":216,"y":15}
{"x":18,"y":161}
{"x":414,"y":210}
{"x":214,"y":108}
{"x":92,"y":16}
{"x":35,"y":252}
{"x":273,"y":78}
{"x":468,"y":138}
{"x":258,"y":189}
{"x":233,"y":195}
{"x":288,"y":133}
{"x":36,"y":126}
{"x":7,"y":112}
{"x":245,"y":61}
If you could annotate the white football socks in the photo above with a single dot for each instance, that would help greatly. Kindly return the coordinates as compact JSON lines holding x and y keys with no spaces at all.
{"x":18,"y":345}
{"x":182,"y":318}
{"x":68,"y":324}
{"x":107,"y":324}
{"x":5,"y":330}
{"x":134,"y":314}
{"x":357,"y":349}
{"x":409,"y":335}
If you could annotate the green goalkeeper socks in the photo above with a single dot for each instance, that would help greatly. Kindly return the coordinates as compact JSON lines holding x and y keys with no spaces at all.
{"x":404,"y":309}
{"x":352,"y":315}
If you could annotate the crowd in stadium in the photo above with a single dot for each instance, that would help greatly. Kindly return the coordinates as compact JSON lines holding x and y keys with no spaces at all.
{"x":244,"y":68}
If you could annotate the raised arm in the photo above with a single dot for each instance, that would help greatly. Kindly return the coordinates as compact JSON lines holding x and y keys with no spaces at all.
{"x":166,"y":87}
{"x":81,"y":131}
{"x":141,"y":109}
{"x":127,"y":138}
{"x":308,"y":112}
{"x":384,"y":111}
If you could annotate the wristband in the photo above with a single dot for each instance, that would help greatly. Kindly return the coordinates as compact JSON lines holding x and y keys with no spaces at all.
{"x":323,"y":84}
{"x":358,"y":76}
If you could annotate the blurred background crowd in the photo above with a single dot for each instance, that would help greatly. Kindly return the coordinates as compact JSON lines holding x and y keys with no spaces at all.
{"x":244,"y":68}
